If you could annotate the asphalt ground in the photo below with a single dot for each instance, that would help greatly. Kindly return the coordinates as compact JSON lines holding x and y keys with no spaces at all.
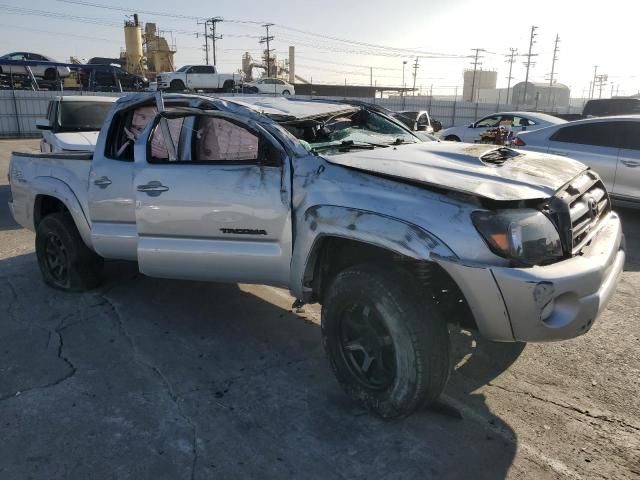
{"x":160,"y":379}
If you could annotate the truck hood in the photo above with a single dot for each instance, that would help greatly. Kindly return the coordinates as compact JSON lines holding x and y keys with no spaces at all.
{"x":77,"y":141}
{"x":457,"y":166}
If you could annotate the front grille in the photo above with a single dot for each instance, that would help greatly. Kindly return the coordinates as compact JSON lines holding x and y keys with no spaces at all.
{"x":586,"y":201}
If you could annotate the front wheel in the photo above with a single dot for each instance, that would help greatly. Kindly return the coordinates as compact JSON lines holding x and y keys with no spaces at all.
{"x":286,"y":93}
{"x":385,"y":339}
{"x":65,"y":262}
{"x":452,"y":138}
{"x":176,"y":86}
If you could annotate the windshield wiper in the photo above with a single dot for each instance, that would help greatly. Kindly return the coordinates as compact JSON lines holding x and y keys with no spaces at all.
{"x":399,"y":141}
{"x":347,"y":145}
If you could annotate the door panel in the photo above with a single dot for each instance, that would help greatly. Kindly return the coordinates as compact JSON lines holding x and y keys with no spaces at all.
{"x":206,"y":220}
{"x":592,"y":143}
{"x":111,"y":195}
{"x":627,"y":184}
{"x":602,"y":159}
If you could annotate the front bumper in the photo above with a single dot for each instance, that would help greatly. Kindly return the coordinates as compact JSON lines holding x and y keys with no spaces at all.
{"x":552,"y":302}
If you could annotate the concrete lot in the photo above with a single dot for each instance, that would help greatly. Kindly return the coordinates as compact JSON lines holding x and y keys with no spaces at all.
{"x":160,"y":379}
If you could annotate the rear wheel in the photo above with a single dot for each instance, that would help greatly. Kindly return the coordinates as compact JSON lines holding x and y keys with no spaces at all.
{"x":385,"y":340}
{"x":452,"y":138}
{"x":228,"y":86}
{"x":64,"y":260}
{"x":50,"y":74}
{"x":177,"y":86}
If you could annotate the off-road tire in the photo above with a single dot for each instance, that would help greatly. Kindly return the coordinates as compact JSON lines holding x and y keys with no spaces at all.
{"x":452,"y":138}
{"x":83,"y":267}
{"x":176,"y":86}
{"x":419,"y":336}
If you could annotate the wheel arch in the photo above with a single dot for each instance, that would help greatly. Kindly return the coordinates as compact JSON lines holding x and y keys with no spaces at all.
{"x":329,"y":229}
{"x":52,"y":195}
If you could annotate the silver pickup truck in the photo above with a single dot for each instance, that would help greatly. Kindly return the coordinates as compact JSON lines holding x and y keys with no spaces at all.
{"x":398,"y":239}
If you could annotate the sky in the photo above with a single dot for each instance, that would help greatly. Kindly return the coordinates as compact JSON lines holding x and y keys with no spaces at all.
{"x":340,"y":40}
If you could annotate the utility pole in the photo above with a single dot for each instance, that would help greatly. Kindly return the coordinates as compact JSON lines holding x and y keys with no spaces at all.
{"x":403,"y":93}
{"x":553,"y":62}
{"x":510,"y":60}
{"x":415,"y":74}
{"x":266,"y":40}
{"x":213,"y":21}
{"x":370,"y":76}
{"x":601,"y":81}
{"x":529,"y":63}
{"x":206,"y":40}
{"x":475,"y":64}
{"x":592,"y":90}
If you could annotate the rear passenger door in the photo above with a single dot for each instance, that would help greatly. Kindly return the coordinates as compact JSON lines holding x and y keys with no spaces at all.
{"x":627,"y":184}
{"x":593,"y":143}
{"x":201,"y":76}
{"x":219,"y":209}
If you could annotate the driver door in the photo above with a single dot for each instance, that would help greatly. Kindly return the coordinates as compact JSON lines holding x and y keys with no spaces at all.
{"x":220,"y":209}
{"x":472,"y":135}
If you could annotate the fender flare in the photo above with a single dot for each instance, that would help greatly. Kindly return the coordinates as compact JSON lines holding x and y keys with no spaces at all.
{"x":56,"y":188}
{"x":359,"y":225}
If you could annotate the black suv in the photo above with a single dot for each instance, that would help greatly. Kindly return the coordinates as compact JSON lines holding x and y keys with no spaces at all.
{"x":607,"y":107}
{"x":105,"y":79}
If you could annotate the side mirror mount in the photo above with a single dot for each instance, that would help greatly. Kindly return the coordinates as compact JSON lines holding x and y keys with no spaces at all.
{"x":43,"y":124}
{"x":472,"y":125}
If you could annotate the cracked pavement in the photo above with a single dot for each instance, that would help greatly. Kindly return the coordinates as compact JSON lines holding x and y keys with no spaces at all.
{"x":149,"y":378}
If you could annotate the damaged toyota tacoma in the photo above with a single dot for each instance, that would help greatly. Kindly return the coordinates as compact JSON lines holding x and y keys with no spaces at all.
{"x":400,"y":240}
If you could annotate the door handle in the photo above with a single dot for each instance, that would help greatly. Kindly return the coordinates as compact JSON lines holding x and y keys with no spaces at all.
{"x":102,"y":182}
{"x":153,"y":188}
{"x":631,"y":163}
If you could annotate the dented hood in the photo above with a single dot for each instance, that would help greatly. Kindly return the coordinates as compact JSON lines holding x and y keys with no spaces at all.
{"x":457,"y":166}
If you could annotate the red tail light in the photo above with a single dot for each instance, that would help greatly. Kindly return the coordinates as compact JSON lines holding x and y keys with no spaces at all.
{"x":518,"y":142}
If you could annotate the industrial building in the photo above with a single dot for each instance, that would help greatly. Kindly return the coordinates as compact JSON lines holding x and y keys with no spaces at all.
{"x":476,"y":80}
{"x":541,"y":94}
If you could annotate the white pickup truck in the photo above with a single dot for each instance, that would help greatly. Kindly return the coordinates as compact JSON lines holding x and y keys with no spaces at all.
{"x":73,"y":122}
{"x":205,"y":78}
{"x":397,"y":238}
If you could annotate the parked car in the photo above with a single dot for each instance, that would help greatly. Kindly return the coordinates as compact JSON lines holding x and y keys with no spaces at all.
{"x":345,"y":206}
{"x":611,"y":106}
{"x":48,"y":72}
{"x":416,"y":120}
{"x":197,"y":77}
{"x":107,"y":77}
{"x":274,"y":86}
{"x":516,"y":122}
{"x":73,"y":122}
{"x":609,"y":145}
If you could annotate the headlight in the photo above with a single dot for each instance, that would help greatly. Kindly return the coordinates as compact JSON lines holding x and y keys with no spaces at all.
{"x":526,"y":236}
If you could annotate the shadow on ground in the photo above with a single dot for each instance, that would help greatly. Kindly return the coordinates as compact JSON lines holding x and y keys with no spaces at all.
{"x":167,"y":379}
{"x":6,"y":220}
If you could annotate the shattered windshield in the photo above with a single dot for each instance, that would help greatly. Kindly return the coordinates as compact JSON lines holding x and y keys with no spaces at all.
{"x":358,"y":129}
